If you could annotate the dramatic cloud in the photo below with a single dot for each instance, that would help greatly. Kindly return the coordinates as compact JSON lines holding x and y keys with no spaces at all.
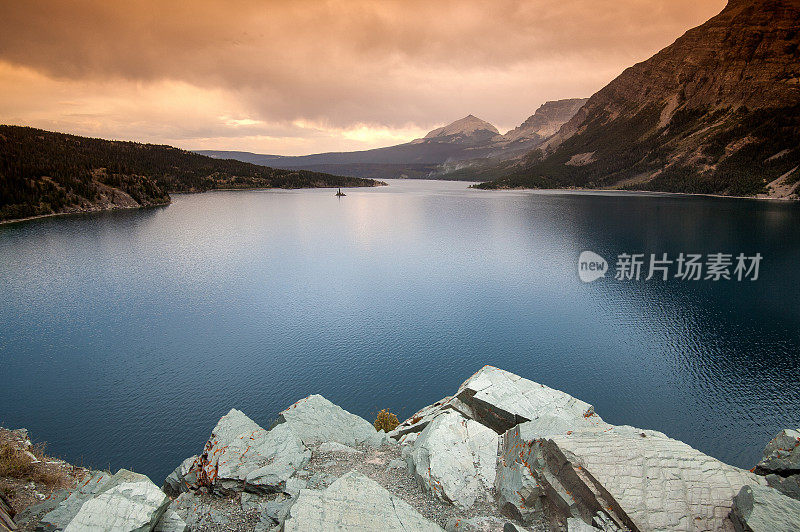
{"x":304,"y":76}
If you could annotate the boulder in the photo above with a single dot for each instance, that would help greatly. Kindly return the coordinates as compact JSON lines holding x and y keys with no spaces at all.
{"x":317,"y":420}
{"x":763,"y":509}
{"x":240,"y":455}
{"x":183,"y":478}
{"x":618,"y":476}
{"x":455,"y":458}
{"x":353,"y":502}
{"x":789,"y":486}
{"x":499,"y":400}
{"x":782,"y":454}
{"x":126,"y":502}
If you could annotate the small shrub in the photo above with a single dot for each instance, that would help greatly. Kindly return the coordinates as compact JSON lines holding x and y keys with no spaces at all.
{"x":386,"y":421}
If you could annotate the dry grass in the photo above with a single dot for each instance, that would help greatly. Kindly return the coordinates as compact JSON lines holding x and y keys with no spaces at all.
{"x":14,"y":463}
{"x":17,"y":464}
{"x":6,"y":488}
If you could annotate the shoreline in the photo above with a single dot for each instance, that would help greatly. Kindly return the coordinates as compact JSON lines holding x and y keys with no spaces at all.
{"x":96,"y":211}
{"x":637,"y":192}
{"x":74,"y":213}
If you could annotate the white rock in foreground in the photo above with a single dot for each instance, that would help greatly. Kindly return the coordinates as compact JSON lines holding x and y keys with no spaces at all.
{"x":317,"y":420}
{"x":499,"y":400}
{"x":638,"y":479}
{"x":354,"y":502}
{"x":128,"y":502}
{"x":455,"y":458}
{"x":241,"y":455}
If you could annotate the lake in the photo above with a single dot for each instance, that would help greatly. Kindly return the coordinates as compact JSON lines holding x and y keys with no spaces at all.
{"x":124,"y":336}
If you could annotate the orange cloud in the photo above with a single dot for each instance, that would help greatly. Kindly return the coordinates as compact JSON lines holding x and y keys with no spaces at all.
{"x":168,"y":71}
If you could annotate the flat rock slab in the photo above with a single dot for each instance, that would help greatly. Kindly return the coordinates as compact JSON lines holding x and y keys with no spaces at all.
{"x":126,"y":502}
{"x":637,"y":479}
{"x":66,"y":509}
{"x":354,"y":502}
{"x":455,"y":458}
{"x":763,"y":509}
{"x":317,"y":420}
{"x":500,"y":400}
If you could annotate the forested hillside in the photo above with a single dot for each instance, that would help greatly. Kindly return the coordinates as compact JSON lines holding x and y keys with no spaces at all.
{"x":42,"y":172}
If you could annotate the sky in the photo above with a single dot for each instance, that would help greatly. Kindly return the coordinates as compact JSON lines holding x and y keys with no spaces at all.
{"x":302,"y":76}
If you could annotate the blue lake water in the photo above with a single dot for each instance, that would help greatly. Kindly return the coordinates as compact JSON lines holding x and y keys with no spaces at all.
{"x":124,"y":336}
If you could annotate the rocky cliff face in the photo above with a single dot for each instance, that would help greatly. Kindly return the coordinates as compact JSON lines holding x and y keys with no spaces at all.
{"x":718,"y":111}
{"x":546,"y":121}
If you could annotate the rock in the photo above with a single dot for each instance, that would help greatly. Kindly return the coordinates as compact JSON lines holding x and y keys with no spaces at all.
{"x":763,"y":509}
{"x":197,"y":513}
{"x":316,"y":420}
{"x":335,"y":447}
{"x":251,"y":502}
{"x":127,"y":502}
{"x":474,"y":524}
{"x":500,"y":400}
{"x":278,"y":509}
{"x":354,"y":502}
{"x":240,"y":455}
{"x":789,"y":486}
{"x":171,"y":522}
{"x":183,"y":478}
{"x":512,"y":527}
{"x":578,"y":525}
{"x":294,"y":485}
{"x":30,"y":516}
{"x":320,"y":481}
{"x":271,"y":511}
{"x":782,"y":454}
{"x":68,"y":508}
{"x":626,"y":477}
{"x":455,"y":458}
{"x":397,"y":464}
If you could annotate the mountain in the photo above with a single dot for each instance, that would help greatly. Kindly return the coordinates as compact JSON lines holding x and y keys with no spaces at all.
{"x":45,"y":173}
{"x":545,"y":122}
{"x":717,"y":112}
{"x":469,"y":131}
{"x":468,"y":138}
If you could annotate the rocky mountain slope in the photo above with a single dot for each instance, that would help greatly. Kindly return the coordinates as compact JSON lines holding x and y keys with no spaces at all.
{"x":502,"y":453}
{"x":44,"y":173}
{"x":468,"y":138}
{"x":718,"y":111}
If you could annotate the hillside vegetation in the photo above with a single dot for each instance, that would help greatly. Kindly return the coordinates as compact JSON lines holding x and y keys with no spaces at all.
{"x":716,"y":112}
{"x":42,"y":173}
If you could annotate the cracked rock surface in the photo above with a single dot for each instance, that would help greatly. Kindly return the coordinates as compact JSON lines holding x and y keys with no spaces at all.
{"x":354,"y":502}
